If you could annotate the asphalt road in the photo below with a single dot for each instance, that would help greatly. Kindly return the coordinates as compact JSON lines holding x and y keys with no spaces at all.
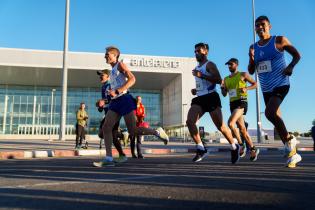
{"x":159,"y":182}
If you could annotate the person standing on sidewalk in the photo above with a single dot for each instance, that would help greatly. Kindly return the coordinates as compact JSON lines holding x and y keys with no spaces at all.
{"x":266,"y":57}
{"x":82,"y":117}
{"x":103,"y":106}
{"x":136,"y":141}
{"x":121,"y":104}
{"x":207,"y":76}
{"x":236,"y":85}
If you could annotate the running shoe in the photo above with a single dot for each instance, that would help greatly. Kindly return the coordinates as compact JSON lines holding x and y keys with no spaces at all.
{"x":290,"y":147}
{"x":121,"y":159}
{"x":254,"y":152}
{"x":292,"y":161}
{"x":243,"y":150}
{"x":200,"y":154}
{"x":162,"y":135}
{"x":103,"y":163}
{"x":235,"y":154}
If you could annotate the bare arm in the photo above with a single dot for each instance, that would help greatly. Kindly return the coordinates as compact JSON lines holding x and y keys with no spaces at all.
{"x":215,"y":76}
{"x":223,"y":88}
{"x":283,"y":44}
{"x":251,"y":63}
{"x":248,"y":78}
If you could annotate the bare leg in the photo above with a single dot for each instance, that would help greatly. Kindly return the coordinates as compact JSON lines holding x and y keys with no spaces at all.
{"x":217,"y":119}
{"x":110,"y":120}
{"x":273,"y":114}
{"x":242,"y":127}
{"x":237,"y":113}
{"x":194,"y":114}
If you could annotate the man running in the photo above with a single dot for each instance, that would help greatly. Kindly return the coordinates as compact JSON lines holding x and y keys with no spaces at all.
{"x":121,"y":104}
{"x":207,"y":76}
{"x":267,"y":57}
{"x":236,"y":85}
{"x":103,"y":105}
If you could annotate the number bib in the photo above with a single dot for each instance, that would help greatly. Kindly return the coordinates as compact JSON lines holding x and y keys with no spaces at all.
{"x":232,"y":93}
{"x":264,"y":67}
{"x":199,"y":85}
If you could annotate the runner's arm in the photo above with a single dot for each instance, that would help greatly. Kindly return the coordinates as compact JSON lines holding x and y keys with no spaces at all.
{"x":251,"y":63}
{"x":284,"y":44}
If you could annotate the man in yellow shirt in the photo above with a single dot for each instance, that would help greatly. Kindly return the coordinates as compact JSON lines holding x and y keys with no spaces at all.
{"x":236,"y":85}
{"x":82,"y":117}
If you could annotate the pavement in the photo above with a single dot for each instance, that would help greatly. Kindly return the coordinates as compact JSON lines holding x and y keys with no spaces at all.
{"x":26,"y":149}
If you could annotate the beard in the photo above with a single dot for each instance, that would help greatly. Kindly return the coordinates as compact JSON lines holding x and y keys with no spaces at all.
{"x":199,"y":58}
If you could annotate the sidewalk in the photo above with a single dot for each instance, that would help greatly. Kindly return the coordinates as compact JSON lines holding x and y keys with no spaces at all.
{"x":22,"y":149}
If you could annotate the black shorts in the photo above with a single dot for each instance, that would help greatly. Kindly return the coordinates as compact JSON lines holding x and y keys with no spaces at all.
{"x":280,"y":92}
{"x":239,"y":104}
{"x":208,"y":102}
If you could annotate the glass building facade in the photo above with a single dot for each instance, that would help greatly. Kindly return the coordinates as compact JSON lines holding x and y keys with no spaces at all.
{"x":36,"y":110}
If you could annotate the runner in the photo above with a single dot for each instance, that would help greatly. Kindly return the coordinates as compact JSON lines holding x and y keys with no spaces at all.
{"x":267,"y":57}
{"x":121,"y":104}
{"x":103,"y":105}
{"x":207,"y":76}
{"x":236,"y":85}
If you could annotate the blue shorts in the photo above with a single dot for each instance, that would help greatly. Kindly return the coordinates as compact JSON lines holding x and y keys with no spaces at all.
{"x":123,"y":104}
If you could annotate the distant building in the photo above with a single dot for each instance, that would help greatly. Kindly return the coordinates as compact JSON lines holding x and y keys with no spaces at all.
{"x":30,"y":89}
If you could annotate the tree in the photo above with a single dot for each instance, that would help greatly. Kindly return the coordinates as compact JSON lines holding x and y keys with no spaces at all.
{"x":313,"y":122}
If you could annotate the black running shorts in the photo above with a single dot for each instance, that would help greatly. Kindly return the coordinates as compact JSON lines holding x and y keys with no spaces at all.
{"x":208,"y":102}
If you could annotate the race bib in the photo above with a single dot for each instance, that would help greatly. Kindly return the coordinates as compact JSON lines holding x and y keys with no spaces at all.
{"x":199,"y":85}
{"x":232,"y":93}
{"x":264,"y":67}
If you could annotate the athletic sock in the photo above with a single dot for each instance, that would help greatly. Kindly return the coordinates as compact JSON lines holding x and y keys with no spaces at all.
{"x":200,"y":146}
{"x":233,"y":146}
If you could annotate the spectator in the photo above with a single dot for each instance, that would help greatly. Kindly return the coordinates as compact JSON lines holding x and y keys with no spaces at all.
{"x":82,"y":117}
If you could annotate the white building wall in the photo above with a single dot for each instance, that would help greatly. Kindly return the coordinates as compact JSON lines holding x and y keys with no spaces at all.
{"x":171,"y":109}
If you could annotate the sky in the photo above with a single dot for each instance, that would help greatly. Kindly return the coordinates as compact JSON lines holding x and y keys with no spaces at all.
{"x":172,"y":28}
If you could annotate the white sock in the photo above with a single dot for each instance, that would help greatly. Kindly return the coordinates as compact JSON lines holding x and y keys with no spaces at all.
{"x":233,"y":146}
{"x":200,"y":146}
{"x":109,"y":158}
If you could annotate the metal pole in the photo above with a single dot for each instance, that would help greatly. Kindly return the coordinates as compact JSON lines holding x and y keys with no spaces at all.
{"x":63,"y":112}
{"x":33,"y":115}
{"x":184,"y":121}
{"x":257,"y":80}
{"x":4,"y":122}
{"x":51,"y":113}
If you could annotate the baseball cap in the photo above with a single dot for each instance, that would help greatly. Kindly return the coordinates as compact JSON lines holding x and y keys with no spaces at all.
{"x":104,"y":71}
{"x":232,"y":60}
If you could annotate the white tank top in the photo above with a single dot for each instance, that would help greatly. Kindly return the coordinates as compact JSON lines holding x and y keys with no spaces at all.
{"x":203,"y":86}
{"x":117,"y":79}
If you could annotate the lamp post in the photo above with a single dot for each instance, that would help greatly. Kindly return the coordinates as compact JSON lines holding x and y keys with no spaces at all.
{"x":184,"y":123}
{"x":63,"y":113}
{"x":257,"y":81}
{"x":51,"y":113}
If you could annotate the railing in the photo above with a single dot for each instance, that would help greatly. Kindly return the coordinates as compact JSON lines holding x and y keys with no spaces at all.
{"x":43,"y":129}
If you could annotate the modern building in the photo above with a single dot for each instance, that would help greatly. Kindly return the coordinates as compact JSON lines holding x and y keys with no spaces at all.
{"x":30,"y":90}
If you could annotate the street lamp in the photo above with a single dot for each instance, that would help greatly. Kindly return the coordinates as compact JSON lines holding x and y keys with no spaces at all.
{"x":63,"y":113}
{"x":51,"y":112}
{"x":184,"y":121}
{"x":257,"y":81}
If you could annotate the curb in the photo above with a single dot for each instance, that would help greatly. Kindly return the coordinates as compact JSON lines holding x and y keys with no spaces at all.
{"x":96,"y":152}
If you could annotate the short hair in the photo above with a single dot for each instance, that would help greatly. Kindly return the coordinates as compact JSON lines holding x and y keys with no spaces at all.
{"x":115,"y":49}
{"x":261,"y":18}
{"x":82,"y":103}
{"x":203,"y":45}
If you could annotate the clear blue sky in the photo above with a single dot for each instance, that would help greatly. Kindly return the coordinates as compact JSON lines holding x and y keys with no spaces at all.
{"x":171,"y":28}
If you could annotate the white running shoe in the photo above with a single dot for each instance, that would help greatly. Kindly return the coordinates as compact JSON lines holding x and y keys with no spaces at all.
{"x":292,"y":161}
{"x":290,"y":147}
{"x":103,"y":163}
{"x":162,"y":135}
